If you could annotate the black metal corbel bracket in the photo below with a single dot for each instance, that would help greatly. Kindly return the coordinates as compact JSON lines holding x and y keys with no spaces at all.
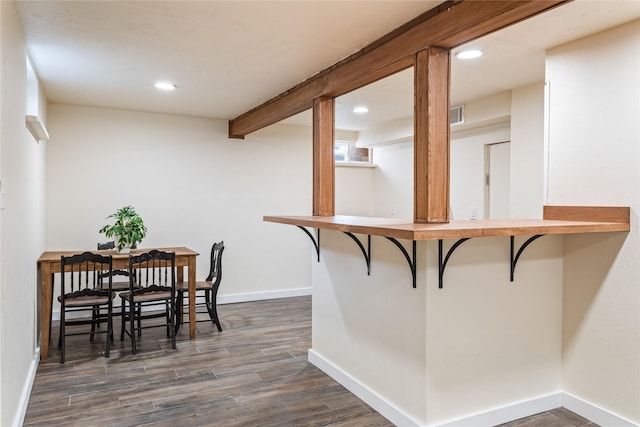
{"x":366,"y":253}
{"x":411,"y":261}
{"x":316,"y":244}
{"x":514,"y":259}
{"x":442,"y":264}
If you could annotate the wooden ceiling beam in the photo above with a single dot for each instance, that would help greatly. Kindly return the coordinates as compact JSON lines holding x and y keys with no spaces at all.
{"x":449,"y":25}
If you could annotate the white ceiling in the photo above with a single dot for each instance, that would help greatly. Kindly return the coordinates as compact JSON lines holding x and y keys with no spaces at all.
{"x":227,"y":57}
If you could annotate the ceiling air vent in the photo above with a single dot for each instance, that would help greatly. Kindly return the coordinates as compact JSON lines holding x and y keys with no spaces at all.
{"x":456,"y":115}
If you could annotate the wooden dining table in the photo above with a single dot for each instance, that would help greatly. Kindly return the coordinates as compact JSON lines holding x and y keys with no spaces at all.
{"x":49,"y":265}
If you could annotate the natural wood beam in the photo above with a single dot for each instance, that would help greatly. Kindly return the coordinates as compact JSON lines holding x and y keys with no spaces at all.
{"x":431,"y":136}
{"x":618,"y":214}
{"x":448,"y":25}
{"x":399,"y":229}
{"x":323,"y":156}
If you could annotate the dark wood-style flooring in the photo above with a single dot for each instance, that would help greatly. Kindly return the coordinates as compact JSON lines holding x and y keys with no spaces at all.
{"x":559,"y":417}
{"x":254,"y":373}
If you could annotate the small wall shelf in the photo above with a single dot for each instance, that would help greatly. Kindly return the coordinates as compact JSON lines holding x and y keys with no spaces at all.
{"x":556,"y":220}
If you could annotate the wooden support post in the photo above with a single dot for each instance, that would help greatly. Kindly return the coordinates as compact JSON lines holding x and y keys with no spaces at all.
{"x":431,"y":140}
{"x":323,"y":157}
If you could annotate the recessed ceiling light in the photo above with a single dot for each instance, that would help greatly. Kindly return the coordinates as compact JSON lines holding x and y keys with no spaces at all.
{"x":361,"y":110}
{"x":469,"y":54}
{"x":165,"y":86}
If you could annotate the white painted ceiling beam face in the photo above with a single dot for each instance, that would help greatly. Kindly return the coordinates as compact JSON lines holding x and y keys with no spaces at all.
{"x":229,"y":56}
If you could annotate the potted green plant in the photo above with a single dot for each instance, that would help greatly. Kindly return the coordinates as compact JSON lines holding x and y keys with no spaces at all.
{"x":127,"y":230}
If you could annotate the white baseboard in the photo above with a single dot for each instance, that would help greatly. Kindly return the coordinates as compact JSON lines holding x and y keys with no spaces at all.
{"x":509,"y":412}
{"x":594,"y":413}
{"x":26,"y":391}
{"x":489,"y":418}
{"x":258,"y":296}
{"x":367,"y":395}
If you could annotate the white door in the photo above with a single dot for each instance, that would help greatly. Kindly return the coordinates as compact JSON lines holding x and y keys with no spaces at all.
{"x":498,"y":171}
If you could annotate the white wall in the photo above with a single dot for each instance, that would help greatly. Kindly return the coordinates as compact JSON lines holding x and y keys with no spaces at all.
{"x":428,"y":356}
{"x":436,"y":355}
{"x":492,"y":342}
{"x":354,"y":190}
{"x":467,"y":170}
{"x":192,"y":186}
{"x":487,"y":111}
{"x":527,"y":151}
{"x":467,"y":164}
{"x":571,"y":320}
{"x":22,"y":223}
{"x":594,"y":159}
{"x":371,"y":327}
{"x":393,"y":181}
{"x":486,"y":122}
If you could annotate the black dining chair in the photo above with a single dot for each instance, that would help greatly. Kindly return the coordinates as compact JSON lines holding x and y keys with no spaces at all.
{"x":83,"y":289}
{"x":120,"y":282}
{"x":107,"y":245}
{"x":112,"y":245}
{"x":151,"y":295}
{"x":116,"y":285}
{"x":207,"y":289}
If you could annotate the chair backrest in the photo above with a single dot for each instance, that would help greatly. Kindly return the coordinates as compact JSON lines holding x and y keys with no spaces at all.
{"x":215,"y":268}
{"x":85,"y":274}
{"x":106,"y":245}
{"x":122,"y":273}
{"x":116,"y":274}
{"x":152,"y":270}
{"x":111,"y":245}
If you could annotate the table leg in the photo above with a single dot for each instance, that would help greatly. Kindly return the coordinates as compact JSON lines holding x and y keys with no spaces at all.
{"x":180,"y":279}
{"x":192,"y":297}
{"x":45,"y":309}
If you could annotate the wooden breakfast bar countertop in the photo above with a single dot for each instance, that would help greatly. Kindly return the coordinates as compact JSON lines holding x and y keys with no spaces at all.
{"x":556,"y":220}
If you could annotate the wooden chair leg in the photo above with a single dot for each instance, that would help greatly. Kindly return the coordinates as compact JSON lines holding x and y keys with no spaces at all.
{"x":167,"y":318}
{"x":95,"y":320}
{"x":179,"y":318}
{"x":51,"y":305}
{"x":215,"y":316}
{"x":213,"y":310}
{"x":61,"y":339}
{"x":123,"y":312}
{"x":172,"y":322}
{"x":207,"y":300}
{"x":139,"y":315}
{"x":109,"y":338}
{"x":132,"y":323}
